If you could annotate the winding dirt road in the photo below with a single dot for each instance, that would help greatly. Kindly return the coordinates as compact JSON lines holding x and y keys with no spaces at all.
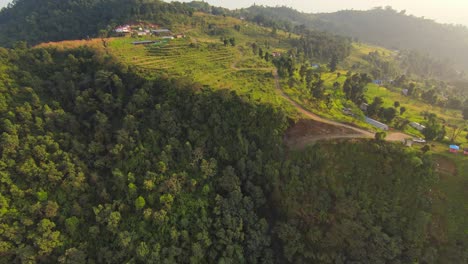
{"x":357,"y":132}
{"x":364,"y":133}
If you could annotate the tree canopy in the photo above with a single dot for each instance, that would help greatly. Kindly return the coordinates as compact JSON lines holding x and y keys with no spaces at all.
{"x":99,"y":164}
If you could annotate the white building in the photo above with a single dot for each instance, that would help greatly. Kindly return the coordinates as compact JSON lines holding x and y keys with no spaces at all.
{"x":376,"y":123}
{"x":417,"y":126}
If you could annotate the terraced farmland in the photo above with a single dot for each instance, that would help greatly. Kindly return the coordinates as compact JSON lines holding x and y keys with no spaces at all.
{"x":208,"y":63}
{"x":201,"y":61}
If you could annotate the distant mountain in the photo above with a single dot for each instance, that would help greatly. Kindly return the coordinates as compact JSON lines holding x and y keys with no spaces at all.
{"x":37,"y":21}
{"x":384,"y":27}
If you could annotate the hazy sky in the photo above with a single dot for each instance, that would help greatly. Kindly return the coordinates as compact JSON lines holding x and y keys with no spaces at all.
{"x":4,"y":2}
{"x":445,"y":11}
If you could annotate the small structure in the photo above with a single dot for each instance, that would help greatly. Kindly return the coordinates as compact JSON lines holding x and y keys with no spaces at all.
{"x":347,"y":111}
{"x":178,"y":36}
{"x":454,"y":148}
{"x":315,"y":66}
{"x":123,"y":29}
{"x":408,"y":142}
{"x":465,"y":151}
{"x":378,"y":82}
{"x":404,"y":92}
{"x":364,"y":106}
{"x":376,"y":123}
{"x":417,"y":126}
{"x":419,"y":140}
{"x":276,"y":54}
{"x":160,"y":32}
{"x":167,"y":37}
{"x":143,"y":42}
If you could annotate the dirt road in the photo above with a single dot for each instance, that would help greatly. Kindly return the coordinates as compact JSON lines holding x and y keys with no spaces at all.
{"x":349,"y":132}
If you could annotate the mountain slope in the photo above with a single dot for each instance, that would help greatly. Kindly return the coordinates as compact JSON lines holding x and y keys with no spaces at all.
{"x":385,"y":27}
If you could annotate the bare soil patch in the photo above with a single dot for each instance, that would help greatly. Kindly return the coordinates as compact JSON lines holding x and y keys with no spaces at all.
{"x":445,"y":166}
{"x":307,"y":131}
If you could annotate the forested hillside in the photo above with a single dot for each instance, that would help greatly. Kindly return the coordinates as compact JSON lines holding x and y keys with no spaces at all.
{"x":100,"y":165}
{"x":177,"y":152}
{"x":52,"y":20}
{"x":385,"y":27}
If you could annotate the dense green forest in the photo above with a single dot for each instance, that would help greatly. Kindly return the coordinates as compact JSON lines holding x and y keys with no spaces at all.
{"x":52,"y":20}
{"x":382,"y":26}
{"x":101,"y":165}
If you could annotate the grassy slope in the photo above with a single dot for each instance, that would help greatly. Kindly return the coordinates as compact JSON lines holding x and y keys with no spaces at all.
{"x":359,"y":50}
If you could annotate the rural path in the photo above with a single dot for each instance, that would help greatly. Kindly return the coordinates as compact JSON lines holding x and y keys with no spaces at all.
{"x":360,"y":133}
{"x":363,"y":133}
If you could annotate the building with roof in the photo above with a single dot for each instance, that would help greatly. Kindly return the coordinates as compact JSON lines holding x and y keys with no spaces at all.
{"x":276,"y":54}
{"x":160,"y":32}
{"x":364,"y":106}
{"x":123,"y":29}
{"x":376,"y":123}
{"x":408,"y":142}
{"x":454,"y":148}
{"x":143,"y":42}
{"x":417,"y":126}
{"x":378,"y":82}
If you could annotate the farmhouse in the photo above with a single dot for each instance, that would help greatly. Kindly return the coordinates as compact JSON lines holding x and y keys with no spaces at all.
{"x":123,"y":29}
{"x":417,"y":126}
{"x":376,"y":123}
